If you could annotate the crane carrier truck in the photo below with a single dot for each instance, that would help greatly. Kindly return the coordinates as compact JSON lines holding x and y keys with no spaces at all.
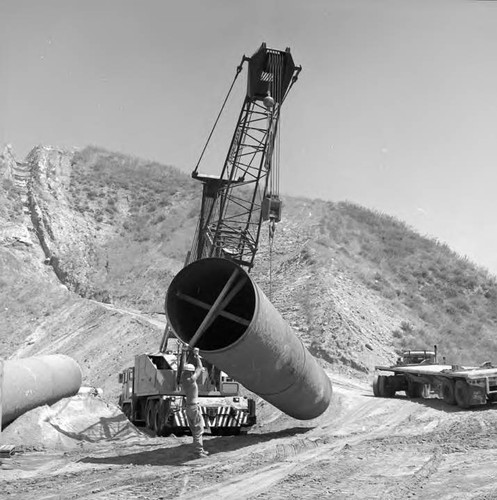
{"x":418,"y":374}
{"x":234,"y":206}
{"x":151,"y":396}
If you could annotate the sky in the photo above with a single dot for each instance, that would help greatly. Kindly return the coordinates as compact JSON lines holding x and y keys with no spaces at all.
{"x":395,"y":108}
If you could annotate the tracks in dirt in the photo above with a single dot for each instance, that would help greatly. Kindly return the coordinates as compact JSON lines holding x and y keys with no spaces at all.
{"x":361,"y":448}
{"x":364,"y":447}
{"x":149,"y":318}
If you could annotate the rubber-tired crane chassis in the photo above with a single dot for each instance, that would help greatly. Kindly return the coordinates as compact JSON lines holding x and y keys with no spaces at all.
{"x":418,"y":374}
{"x":151,"y":396}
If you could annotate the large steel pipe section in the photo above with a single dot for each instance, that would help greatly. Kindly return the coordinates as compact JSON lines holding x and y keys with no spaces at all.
{"x":32,"y":382}
{"x":242,"y":334}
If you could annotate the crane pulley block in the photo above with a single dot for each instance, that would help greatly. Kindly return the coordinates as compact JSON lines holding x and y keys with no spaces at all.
{"x":270,"y":72}
{"x":271,"y":208}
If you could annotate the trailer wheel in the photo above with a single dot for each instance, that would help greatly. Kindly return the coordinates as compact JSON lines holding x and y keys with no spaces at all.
{"x":414,"y":389}
{"x":448,"y":392}
{"x":425,"y":393}
{"x":376,"y":385}
{"x":462,"y":394}
{"x":386,"y":390}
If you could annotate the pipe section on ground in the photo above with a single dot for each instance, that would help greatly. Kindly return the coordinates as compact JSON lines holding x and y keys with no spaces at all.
{"x":40,"y":380}
{"x":246,"y":337}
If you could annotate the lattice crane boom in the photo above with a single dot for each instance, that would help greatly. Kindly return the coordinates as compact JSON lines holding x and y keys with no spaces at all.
{"x":245,"y":194}
{"x":235,"y":203}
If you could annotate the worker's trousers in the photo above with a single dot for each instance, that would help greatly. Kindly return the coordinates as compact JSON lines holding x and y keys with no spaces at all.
{"x":196,"y":424}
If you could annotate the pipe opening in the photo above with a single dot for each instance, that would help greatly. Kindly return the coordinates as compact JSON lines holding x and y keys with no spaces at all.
{"x":194,"y":294}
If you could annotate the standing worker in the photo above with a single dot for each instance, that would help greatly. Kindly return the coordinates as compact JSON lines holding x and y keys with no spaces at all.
{"x":194,"y":414}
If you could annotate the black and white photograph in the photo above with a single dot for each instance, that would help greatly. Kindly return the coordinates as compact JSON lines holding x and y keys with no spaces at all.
{"x":248,"y":249}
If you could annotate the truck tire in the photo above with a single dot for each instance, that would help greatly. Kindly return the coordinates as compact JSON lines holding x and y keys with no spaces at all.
{"x":462,"y":394}
{"x":163,"y":415}
{"x":156,"y":419}
{"x":127,"y":410}
{"x":386,"y":390}
{"x":149,"y":416}
{"x":376,"y":385}
{"x":448,"y":392}
{"x":414,"y":389}
{"x":425,"y":393}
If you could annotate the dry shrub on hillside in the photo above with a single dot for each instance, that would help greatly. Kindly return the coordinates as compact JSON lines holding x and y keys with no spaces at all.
{"x":455,"y":301}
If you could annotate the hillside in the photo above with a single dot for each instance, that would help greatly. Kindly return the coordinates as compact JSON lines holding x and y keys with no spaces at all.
{"x":90,"y":239}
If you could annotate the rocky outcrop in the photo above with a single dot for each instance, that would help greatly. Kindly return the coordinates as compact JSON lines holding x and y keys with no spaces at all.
{"x":13,"y":199}
{"x":65,"y":236}
{"x":7,"y":163}
{"x":36,"y":210}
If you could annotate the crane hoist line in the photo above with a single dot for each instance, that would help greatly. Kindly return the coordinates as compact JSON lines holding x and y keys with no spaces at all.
{"x":246,"y":193}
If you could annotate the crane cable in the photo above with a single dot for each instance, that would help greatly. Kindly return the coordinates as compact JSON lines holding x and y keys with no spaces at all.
{"x":272,"y":229}
{"x":238,"y":70}
{"x":274,"y":175}
{"x":272,"y":224}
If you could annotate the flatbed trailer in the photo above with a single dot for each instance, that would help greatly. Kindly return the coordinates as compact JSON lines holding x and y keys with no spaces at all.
{"x":464,"y":386}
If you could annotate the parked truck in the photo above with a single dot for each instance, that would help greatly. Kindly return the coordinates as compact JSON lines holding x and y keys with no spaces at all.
{"x":152,"y":397}
{"x":418,"y":374}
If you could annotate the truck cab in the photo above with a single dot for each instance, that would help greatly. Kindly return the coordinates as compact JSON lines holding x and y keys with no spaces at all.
{"x":152,"y":396}
{"x":417,"y":357}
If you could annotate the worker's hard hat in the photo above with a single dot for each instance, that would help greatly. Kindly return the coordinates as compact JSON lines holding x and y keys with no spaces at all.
{"x":189,"y":367}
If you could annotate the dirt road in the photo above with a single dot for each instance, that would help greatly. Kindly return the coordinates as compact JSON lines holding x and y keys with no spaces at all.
{"x":361,"y":448}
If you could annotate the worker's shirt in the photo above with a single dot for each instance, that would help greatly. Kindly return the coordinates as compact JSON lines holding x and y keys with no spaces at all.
{"x":191,"y":390}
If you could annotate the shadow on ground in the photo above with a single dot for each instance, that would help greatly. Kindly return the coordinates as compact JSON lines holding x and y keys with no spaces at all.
{"x":183,"y":453}
{"x":439,"y":404}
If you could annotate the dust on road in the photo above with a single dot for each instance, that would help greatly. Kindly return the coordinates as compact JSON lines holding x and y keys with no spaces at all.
{"x":361,"y":448}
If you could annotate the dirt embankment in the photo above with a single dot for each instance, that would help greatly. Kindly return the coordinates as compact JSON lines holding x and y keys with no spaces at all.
{"x":361,"y":448}
{"x":59,"y":245}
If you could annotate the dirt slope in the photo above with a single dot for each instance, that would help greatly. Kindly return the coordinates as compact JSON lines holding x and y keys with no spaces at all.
{"x":91,"y":241}
{"x":361,"y":448}
{"x":85,"y":259}
{"x":80,"y":230}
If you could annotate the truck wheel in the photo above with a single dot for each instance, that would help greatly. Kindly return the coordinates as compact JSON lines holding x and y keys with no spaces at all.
{"x":386,"y":390}
{"x":163,"y":418}
{"x":414,"y":390}
{"x":376,"y":386}
{"x":147,"y":416}
{"x":156,"y":420}
{"x":462,"y":394}
{"x":426,"y":391}
{"x":150,"y":415}
{"x":127,"y":410}
{"x":448,"y":392}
